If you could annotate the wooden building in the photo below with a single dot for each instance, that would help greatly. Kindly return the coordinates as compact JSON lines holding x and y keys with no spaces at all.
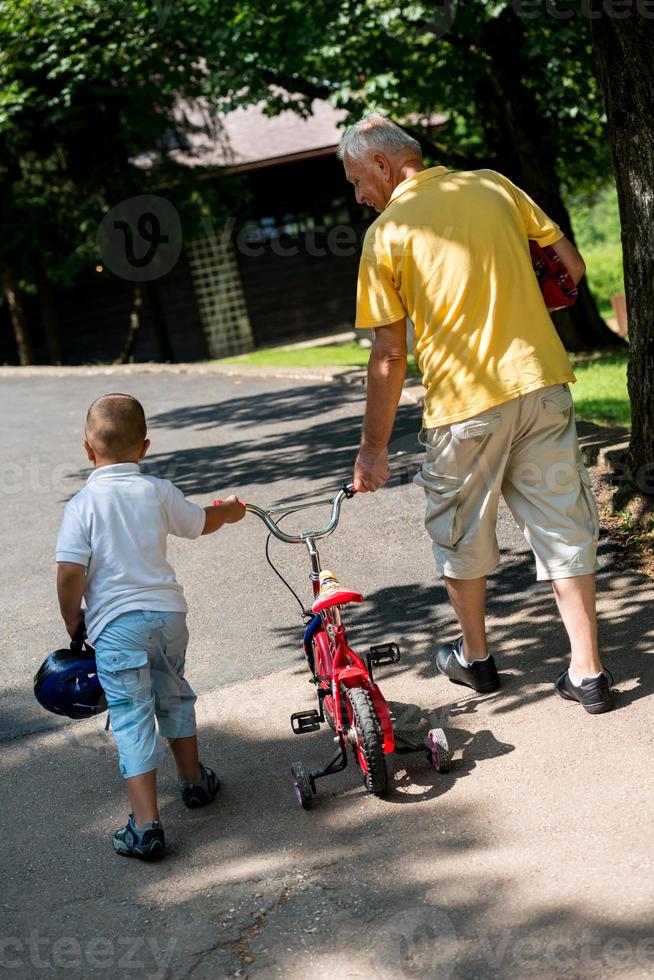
{"x":286,"y":268}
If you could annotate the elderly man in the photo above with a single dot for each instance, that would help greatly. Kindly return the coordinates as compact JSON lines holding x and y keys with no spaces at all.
{"x":450,"y":250}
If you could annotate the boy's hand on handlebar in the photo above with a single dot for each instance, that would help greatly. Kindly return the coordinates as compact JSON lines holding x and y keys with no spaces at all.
{"x":371,"y":470}
{"x":222,"y":512}
{"x":234,"y":509}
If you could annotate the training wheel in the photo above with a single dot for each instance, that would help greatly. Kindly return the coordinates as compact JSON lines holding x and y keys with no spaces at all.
{"x":438,"y":751}
{"x":302,"y":785}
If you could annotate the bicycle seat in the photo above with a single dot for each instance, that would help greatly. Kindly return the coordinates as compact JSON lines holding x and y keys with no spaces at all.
{"x":332,"y":593}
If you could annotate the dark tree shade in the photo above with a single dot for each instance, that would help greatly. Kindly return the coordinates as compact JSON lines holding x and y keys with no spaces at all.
{"x":624,"y":49}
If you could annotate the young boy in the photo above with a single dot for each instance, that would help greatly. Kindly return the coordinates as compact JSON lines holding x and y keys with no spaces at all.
{"x":111,"y":551}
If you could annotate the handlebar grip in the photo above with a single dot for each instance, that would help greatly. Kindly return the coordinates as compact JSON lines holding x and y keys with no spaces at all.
{"x":218,"y":501}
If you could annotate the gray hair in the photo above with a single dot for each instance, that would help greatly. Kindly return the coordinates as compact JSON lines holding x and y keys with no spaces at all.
{"x":375,"y":132}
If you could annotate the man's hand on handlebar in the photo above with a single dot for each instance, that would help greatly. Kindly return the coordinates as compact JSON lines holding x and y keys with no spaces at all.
{"x":371,"y":469}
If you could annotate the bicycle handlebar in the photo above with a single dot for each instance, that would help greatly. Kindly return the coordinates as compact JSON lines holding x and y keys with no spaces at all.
{"x":347,"y":490}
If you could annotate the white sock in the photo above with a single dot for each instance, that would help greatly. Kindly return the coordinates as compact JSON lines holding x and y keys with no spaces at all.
{"x":576,"y":680}
{"x":462,"y":660}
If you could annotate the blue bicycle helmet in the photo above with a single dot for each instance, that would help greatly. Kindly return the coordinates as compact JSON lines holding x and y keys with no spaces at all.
{"x":67,"y":682}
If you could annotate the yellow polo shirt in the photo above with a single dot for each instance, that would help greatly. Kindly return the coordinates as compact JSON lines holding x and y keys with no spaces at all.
{"x":451,"y":252}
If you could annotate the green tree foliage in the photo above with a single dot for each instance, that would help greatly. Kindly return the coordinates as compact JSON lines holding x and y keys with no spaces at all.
{"x":391,"y":55}
{"x":517,"y":85}
{"x":86,"y":88}
{"x":82,"y":91}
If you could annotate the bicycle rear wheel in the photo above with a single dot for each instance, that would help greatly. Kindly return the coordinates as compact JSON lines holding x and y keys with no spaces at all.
{"x":365,"y":735}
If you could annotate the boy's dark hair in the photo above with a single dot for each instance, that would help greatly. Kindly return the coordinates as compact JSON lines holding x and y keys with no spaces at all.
{"x":115,"y":425}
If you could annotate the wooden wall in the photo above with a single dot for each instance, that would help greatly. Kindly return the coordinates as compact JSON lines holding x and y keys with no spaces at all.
{"x":286,"y":296}
{"x":301,"y":293}
{"x":94,"y":317}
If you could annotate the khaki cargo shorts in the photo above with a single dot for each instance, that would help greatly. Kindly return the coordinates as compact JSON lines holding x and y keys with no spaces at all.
{"x":526,"y":450}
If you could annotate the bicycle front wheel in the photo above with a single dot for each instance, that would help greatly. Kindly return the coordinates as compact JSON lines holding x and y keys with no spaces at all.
{"x":365,"y":735}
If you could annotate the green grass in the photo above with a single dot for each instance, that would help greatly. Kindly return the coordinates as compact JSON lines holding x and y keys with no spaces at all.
{"x":596,"y":224}
{"x":349,"y":354}
{"x":600,"y":394}
{"x":332,"y":355}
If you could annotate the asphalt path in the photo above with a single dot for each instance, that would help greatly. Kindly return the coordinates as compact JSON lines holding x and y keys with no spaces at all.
{"x":267,"y":440}
{"x":531,"y":858}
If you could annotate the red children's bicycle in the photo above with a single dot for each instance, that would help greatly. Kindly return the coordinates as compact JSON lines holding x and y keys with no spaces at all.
{"x":349,"y":700}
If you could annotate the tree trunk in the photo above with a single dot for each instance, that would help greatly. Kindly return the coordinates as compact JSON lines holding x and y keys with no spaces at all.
{"x":17,"y":313}
{"x":624,"y":61}
{"x":515,"y":131}
{"x":48,"y":309}
{"x":159,"y":323}
{"x":134,"y":325}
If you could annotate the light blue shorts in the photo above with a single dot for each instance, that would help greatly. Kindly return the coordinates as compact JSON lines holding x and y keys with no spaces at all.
{"x":140,"y":659}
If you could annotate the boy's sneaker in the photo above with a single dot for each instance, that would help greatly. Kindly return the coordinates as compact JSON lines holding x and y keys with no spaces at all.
{"x":145,"y":841}
{"x":199,"y":794}
{"x":594,"y":693}
{"x":481,"y":675}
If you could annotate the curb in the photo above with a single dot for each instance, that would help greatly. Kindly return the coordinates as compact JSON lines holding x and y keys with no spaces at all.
{"x":611,"y":458}
{"x":152,"y":367}
{"x":413,"y":392}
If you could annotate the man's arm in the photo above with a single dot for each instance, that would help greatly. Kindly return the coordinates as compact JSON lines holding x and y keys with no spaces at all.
{"x":571,"y":258}
{"x":386,"y":373}
{"x":71,"y":579}
{"x":541,"y":229}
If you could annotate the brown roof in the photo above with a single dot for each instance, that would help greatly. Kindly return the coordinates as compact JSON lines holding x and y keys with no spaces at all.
{"x":247,"y":139}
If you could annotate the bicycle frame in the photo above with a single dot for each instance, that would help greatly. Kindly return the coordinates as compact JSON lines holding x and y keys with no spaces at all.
{"x":344,"y":682}
{"x":339,"y":665}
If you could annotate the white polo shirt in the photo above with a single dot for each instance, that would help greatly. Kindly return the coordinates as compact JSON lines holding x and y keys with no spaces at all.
{"x":117,"y":527}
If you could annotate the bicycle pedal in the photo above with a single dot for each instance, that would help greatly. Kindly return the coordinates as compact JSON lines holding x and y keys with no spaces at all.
{"x":385,"y":653}
{"x":305,"y":721}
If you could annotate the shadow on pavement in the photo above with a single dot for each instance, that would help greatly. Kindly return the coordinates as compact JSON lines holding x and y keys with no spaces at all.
{"x":415,"y":884}
{"x":257,"y":887}
{"x":526,"y":634}
{"x":322,"y":451}
{"x":298,"y":401}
